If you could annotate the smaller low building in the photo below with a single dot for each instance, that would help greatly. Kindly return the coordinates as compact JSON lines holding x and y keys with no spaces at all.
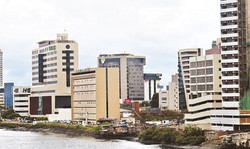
{"x":169,"y":99}
{"x":151,"y":85}
{"x":63,"y":115}
{"x":21,"y":99}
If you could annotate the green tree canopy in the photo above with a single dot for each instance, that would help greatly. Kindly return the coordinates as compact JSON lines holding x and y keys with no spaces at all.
{"x":155,"y":101}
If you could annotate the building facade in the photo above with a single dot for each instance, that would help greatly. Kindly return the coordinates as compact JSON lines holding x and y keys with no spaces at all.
{"x":1,"y":67}
{"x":235,"y":61}
{"x":21,"y":99}
{"x":131,"y":70}
{"x":151,"y":85}
{"x":169,"y":99}
{"x":8,"y":95}
{"x":52,"y":64}
{"x":205,"y":91}
{"x":2,"y":96}
{"x":95,"y":94}
{"x":184,"y":74}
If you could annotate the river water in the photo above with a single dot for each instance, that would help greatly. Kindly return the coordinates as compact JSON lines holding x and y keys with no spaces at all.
{"x":34,"y":140}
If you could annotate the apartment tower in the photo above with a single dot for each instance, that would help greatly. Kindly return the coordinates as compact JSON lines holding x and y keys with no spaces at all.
{"x":1,"y":67}
{"x":235,"y":61}
{"x":52,"y":64}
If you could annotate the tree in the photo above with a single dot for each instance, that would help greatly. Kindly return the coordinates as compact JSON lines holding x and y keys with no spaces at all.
{"x":145,"y":104}
{"x":10,"y":114}
{"x":155,"y":101}
{"x":7,"y":112}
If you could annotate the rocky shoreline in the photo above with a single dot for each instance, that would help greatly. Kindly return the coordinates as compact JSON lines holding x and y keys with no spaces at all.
{"x":78,"y":131}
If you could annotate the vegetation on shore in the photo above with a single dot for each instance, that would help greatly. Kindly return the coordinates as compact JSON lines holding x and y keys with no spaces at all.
{"x":190,"y":136}
{"x":164,"y":115}
{"x":10,"y":114}
{"x":56,"y":127}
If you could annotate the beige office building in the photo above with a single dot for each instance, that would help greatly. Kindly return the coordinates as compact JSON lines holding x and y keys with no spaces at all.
{"x":95,"y":94}
{"x":205,"y":91}
{"x":52,"y":64}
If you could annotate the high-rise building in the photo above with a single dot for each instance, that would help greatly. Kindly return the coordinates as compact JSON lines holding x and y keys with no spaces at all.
{"x":169,"y":99}
{"x":131,"y":73}
{"x":8,"y":95}
{"x":2,"y":96}
{"x":1,"y":67}
{"x":52,"y":64}
{"x":95,"y":94}
{"x":184,"y":74}
{"x":151,"y":85}
{"x":21,"y":99}
{"x":235,"y":61}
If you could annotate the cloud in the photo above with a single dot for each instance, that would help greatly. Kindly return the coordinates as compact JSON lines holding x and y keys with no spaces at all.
{"x":152,"y":28}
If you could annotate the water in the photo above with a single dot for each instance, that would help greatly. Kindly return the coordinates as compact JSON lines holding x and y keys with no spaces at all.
{"x":33,"y":140}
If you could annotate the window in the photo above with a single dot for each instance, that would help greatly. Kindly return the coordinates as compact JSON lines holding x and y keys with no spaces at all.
{"x":209,"y":63}
{"x":164,"y":98}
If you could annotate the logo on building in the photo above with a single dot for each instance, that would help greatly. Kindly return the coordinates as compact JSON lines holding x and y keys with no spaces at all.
{"x":22,"y":90}
{"x":52,"y":48}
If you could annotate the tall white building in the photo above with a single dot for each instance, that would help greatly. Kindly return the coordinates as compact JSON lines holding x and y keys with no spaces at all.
{"x":235,"y":66}
{"x":1,"y":67}
{"x":52,"y":64}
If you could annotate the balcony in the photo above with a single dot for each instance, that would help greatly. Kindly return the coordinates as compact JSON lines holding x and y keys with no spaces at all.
{"x":230,"y":60}
{"x":230,"y":69}
{"x":229,"y":18}
{"x":230,"y":86}
{"x":229,"y":44}
{"x":231,"y":95}
{"x":229,"y":52}
{"x":229,"y":35}
{"x":228,"y":1}
{"x":229,"y":77}
{"x":229,"y":10}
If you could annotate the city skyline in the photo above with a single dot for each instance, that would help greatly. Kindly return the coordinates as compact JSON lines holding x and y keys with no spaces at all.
{"x":155,"y":29}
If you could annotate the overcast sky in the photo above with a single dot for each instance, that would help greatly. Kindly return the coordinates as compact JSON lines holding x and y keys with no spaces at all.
{"x":152,"y":28}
